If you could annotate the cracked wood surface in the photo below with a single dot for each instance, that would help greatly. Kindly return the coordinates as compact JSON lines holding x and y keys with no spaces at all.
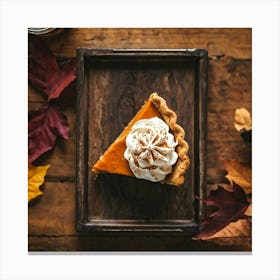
{"x":51,"y":220}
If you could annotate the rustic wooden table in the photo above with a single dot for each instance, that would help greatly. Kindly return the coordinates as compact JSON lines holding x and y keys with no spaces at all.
{"x":51,"y":218}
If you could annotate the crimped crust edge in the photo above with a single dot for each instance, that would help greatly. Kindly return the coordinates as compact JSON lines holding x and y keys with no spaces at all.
{"x":179,"y":169}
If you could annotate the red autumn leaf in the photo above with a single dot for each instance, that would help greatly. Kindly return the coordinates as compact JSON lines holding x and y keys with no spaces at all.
{"x":67,"y":95}
{"x":44,"y":126}
{"x":44,"y":72}
{"x":231,"y":206}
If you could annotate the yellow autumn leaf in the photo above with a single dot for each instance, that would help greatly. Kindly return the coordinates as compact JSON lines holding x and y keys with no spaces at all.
{"x":240,"y":174}
{"x":242,"y":120}
{"x":36,"y":176}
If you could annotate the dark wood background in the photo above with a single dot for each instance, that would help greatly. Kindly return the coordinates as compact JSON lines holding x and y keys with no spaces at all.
{"x":51,"y":218}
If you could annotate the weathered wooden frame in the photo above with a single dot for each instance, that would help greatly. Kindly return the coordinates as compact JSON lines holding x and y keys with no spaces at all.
{"x":190,"y":227}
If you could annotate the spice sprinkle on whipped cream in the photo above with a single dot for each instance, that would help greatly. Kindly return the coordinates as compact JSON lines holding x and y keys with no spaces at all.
{"x":150,"y":149}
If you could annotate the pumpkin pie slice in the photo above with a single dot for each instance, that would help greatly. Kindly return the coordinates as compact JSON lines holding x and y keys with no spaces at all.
{"x":151,"y":146}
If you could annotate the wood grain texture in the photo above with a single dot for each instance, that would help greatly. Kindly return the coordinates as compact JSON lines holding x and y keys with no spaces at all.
{"x":229,"y":87}
{"x":219,"y":41}
{"x":54,"y":212}
{"x":131,"y":83}
{"x":126,"y":78}
{"x":51,"y":227}
{"x":131,"y":243}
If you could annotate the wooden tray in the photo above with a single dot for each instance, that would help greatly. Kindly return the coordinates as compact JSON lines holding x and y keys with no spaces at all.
{"x":112,"y":86}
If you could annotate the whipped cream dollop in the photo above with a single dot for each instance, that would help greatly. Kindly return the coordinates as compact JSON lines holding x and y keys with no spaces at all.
{"x":150,"y":149}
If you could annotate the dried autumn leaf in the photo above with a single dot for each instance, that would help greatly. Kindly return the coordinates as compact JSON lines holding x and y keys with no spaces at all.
{"x":44,"y":72}
{"x":68,"y":94}
{"x":240,"y":174}
{"x":227,"y":187}
{"x":240,"y":228}
{"x":231,"y":207}
{"x":242,"y":120}
{"x":248,"y":212}
{"x":44,"y":126}
{"x":243,"y":124}
{"x":36,"y":176}
{"x":233,"y":234}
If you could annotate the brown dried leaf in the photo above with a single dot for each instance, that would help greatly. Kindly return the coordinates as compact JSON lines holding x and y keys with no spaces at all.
{"x":238,"y":243}
{"x":227,"y":187}
{"x":240,"y":174}
{"x":248,"y":212}
{"x":240,"y":228}
{"x":242,"y":120}
{"x":231,"y":207}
